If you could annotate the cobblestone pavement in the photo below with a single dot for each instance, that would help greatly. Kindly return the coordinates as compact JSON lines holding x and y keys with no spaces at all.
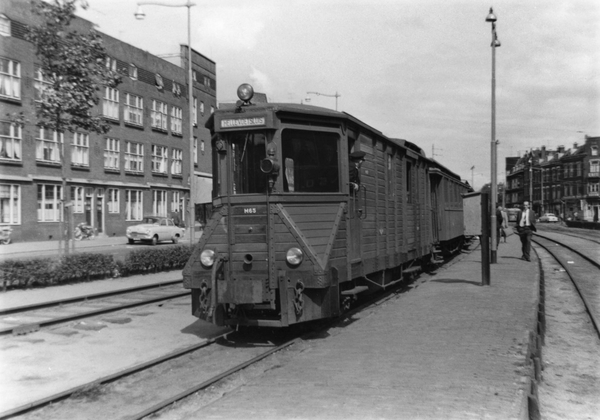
{"x":448,"y":349}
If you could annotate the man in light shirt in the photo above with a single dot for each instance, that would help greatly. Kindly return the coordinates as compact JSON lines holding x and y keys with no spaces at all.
{"x":525,"y":229}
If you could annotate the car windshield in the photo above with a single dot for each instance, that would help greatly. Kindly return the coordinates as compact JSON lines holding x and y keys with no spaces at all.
{"x":150,"y":220}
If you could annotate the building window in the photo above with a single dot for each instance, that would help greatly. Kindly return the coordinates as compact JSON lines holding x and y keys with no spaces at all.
{"x":49,"y":203}
{"x":80,"y":150}
{"x":10,"y":141}
{"x":160,"y":155}
{"x":47,"y":148}
{"x":134,"y":109}
{"x":133,"y":71}
{"x":176,"y":120}
{"x":594,"y":168}
{"x":77,"y":198}
{"x":195,"y":112}
{"x":159,"y":115}
{"x":4,"y":25}
{"x":112,"y":153}
{"x":175,"y":200}
{"x":158,"y":80}
{"x":10,"y":79}
{"x":212,"y":109}
{"x":159,"y":203}
{"x":10,"y":204}
{"x":111,"y":63}
{"x":594,"y":150}
{"x":40,"y":83}
{"x":176,"y":162}
{"x":593,"y":188}
{"x":134,"y":157}
{"x":113,"y":200}
{"x":202,"y":108}
{"x":195,"y":151}
{"x":176,"y":89}
{"x":202,"y":146}
{"x":110,"y":105}
{"x":133,"y":205}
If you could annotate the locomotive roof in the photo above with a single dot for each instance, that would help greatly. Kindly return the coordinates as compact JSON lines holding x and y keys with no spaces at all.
{"x":292,"y":108}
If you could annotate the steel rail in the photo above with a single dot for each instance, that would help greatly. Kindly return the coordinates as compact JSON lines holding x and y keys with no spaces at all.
{"x":571,"y":234}
{"x":83,"y":298}
{"x":385,"y":296}
{"x":382,"y":298}
{"x":34,"y":326}
{"x":578,"y":252}
{"x":107,"y":379}
{"x":209,"y":382}
{"x":586,"y":303}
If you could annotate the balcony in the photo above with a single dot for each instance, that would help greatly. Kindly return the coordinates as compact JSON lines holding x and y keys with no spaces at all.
{"x":594,"y":174}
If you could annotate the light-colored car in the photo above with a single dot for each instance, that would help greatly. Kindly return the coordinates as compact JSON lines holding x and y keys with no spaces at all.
{"x":155,"y":229}
{"x":548,"y":218}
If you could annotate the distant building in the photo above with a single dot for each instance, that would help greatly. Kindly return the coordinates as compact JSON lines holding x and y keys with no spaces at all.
{"x":564,"y":182}
{"x":142,"y":166}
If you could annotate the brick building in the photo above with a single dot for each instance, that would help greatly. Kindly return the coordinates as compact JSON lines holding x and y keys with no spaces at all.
{"x":141,"y":166}
{"x":565,"y":182}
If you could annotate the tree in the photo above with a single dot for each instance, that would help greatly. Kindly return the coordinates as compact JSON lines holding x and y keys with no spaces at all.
{"x":74,"y":70}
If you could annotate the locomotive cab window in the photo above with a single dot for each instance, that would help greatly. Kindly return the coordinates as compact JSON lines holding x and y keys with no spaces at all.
{"x":248,"y":148}
{"x":310,"y":161}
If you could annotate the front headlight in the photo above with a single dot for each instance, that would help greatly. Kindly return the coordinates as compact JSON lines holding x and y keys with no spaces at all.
{"x":207,"y":258}
{"x":294,"y":256}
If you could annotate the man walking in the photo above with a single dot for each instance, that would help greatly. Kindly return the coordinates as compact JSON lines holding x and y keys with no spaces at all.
{"x":525,"y":229}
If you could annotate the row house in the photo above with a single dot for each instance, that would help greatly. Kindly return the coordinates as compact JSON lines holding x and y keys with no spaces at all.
{"x":141,"y":166}
{"x":564,"y":182}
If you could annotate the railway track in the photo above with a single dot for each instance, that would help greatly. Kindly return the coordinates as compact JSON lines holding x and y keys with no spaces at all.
{"x":580,"y":259}
{"x":590,"y":235}
{"x":147,"y":388}
{"x":183,"y":373}
{"x":29,"y":318}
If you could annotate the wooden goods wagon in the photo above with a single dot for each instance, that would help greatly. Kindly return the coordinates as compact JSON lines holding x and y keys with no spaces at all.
{"x":289,"y":240}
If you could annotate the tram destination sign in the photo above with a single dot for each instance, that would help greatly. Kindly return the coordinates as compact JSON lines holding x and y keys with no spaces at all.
{"x":243,"y":122}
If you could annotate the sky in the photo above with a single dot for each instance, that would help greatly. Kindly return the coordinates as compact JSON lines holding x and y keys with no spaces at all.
{"x":419,"y":70}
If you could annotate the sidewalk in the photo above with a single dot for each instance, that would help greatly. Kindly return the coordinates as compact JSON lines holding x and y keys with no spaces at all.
{"x":448,"y":349}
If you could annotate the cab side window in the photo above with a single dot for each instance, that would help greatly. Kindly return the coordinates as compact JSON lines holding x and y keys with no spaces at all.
{"x":310,"y":161}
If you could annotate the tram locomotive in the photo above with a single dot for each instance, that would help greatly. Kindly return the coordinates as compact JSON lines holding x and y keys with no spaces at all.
{"x":289,"y":240}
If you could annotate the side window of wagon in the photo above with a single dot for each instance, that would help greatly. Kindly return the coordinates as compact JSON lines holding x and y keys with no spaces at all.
{"x":311,"y":161}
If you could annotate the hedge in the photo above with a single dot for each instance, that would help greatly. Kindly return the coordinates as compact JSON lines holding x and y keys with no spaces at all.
{"x":83,"y":267}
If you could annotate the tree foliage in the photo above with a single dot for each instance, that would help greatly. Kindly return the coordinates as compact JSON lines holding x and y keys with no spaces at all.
{"x":74,"y":67}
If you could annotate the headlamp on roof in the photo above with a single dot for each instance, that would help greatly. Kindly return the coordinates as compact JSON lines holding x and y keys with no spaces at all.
{"x":245,"y":92}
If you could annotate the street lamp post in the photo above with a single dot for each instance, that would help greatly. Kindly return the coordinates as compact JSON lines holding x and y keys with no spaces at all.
{"x":494,"y":183}
{"x":336,"y":96}
{"x":139,"y":14}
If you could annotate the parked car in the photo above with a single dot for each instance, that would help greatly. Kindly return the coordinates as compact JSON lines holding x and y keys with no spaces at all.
{"x":154,"y":229}
{"x":548,"y":218}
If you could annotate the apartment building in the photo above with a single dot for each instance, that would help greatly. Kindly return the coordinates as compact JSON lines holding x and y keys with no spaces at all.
{"x":141,"y":166}
{"x":562,"y":181}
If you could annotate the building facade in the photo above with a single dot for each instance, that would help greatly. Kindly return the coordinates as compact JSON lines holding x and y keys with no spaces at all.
{"x":141,"y":166}
{"x":565,"y":182}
